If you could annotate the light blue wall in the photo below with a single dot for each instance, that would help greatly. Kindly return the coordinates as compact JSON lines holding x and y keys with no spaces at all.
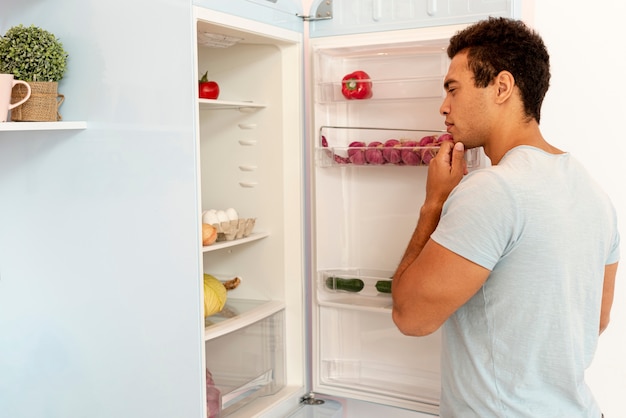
{"x":99,"y":257}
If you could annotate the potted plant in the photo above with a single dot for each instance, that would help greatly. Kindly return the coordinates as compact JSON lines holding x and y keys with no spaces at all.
{"x":36,"y":56}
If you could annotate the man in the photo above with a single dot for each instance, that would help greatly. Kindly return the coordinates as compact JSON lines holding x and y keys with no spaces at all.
{"x":517,"y":261}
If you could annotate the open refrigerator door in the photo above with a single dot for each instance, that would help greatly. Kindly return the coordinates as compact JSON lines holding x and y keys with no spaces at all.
{"x":249,"y":147}
{"x":371,"y":155}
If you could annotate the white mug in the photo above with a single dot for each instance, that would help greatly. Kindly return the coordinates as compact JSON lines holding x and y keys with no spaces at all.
{"x":6,"y":86}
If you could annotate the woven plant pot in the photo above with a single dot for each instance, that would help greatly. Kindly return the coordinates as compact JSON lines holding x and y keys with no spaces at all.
{"x":43,"y":105}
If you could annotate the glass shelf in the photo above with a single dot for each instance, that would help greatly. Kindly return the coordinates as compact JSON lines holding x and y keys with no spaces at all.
{"x":397,"y":89}
{"x":237,"y":314}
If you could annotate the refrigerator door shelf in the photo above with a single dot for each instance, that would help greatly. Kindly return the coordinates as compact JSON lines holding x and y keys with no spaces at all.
{"x":343,"y":136}
{"x":361,"y":146}
{"x":374,"y":156}
{"x":356,"y":289}
{"x":340,"y":157}
{"x":396,"y":70}
{"x":384,"y":89}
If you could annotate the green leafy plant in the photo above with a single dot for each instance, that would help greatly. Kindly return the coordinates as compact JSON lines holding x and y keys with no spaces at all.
{"x":32,"y":54}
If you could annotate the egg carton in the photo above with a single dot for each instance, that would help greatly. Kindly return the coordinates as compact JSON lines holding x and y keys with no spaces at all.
{"x":234,"y":229}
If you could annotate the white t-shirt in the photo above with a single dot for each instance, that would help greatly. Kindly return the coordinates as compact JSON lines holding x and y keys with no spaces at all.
{"x":520,"y":346}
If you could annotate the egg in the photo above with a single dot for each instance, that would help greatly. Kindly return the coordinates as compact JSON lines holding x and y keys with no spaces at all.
{"x":232,"y":214}
{"x":210,"y":217}
{"x":221,"y":216}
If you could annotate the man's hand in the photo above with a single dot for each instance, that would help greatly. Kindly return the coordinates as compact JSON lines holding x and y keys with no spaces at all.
{"x":444,"y":172}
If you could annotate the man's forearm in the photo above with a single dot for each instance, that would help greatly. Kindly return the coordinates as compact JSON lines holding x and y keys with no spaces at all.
{"x":426,"y":224}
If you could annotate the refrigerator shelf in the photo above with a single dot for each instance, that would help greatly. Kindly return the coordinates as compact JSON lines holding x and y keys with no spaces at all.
{"x":356,"y":289}
{"x":356,"y":156}
{"x":341,"y":146}
{"x":218,"y":245}
{"x":217,"y":104}
{"x":237,"y":314}
{"x":414,"y":88}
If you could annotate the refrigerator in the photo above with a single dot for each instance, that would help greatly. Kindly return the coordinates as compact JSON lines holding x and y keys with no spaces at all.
{"x":308,"y":332}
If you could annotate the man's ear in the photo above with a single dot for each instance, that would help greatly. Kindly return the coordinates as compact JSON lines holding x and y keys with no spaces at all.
{"x":504,"y":83}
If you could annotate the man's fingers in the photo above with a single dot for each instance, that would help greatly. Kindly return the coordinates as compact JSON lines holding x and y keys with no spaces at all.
{"x":458,"y":157}
{"x":444,"y":148}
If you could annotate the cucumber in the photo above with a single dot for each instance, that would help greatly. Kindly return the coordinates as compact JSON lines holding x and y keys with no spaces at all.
{"x":383,"y":286}
{"x":349,"y":285}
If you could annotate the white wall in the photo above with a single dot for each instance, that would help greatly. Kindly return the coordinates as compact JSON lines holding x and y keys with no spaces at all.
{"x":582,"y":114}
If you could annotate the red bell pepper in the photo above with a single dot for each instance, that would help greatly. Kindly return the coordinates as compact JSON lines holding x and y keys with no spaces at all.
{"x":208,"y":89}
{"x":356,"y":85}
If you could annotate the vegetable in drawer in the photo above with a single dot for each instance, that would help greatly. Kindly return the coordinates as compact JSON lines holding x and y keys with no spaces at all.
{"x":349,"y":285}
{"x":383,"y":286}
{"x":356,"y":85}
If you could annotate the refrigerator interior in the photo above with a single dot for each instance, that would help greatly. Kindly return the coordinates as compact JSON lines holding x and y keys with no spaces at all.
{"x":365,"y":211}
{"x":251,"y":156}
{"x":250,"y":159}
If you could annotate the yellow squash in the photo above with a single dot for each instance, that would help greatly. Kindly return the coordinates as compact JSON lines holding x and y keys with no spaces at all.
{"x":214,"y":295}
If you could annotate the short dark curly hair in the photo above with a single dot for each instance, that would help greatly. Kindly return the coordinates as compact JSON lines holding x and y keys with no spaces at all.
{"x":497,"y":44}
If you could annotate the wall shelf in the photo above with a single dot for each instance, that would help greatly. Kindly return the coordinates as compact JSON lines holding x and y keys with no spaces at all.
{"x":42,"y":126}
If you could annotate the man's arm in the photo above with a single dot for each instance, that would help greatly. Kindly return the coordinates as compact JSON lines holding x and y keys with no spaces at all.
{"x":444,"y":172}
{"x":432,"y":288}
{"x":426,"y":288}
{"x":608,"y":291}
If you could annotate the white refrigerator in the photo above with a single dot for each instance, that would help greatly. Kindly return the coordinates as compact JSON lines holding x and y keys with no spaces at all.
{"x":334,"y":202}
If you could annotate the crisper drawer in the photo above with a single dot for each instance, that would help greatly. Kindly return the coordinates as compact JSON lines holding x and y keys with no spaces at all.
{"x":246,"y":364}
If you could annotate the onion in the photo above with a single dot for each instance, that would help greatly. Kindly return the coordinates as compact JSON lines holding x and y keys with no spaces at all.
{"x":410,"y":156}
{"x":209,"y":234}
{"x":356,"y":154}
{"x":374,"y":154}
{"x":391,"y":153}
